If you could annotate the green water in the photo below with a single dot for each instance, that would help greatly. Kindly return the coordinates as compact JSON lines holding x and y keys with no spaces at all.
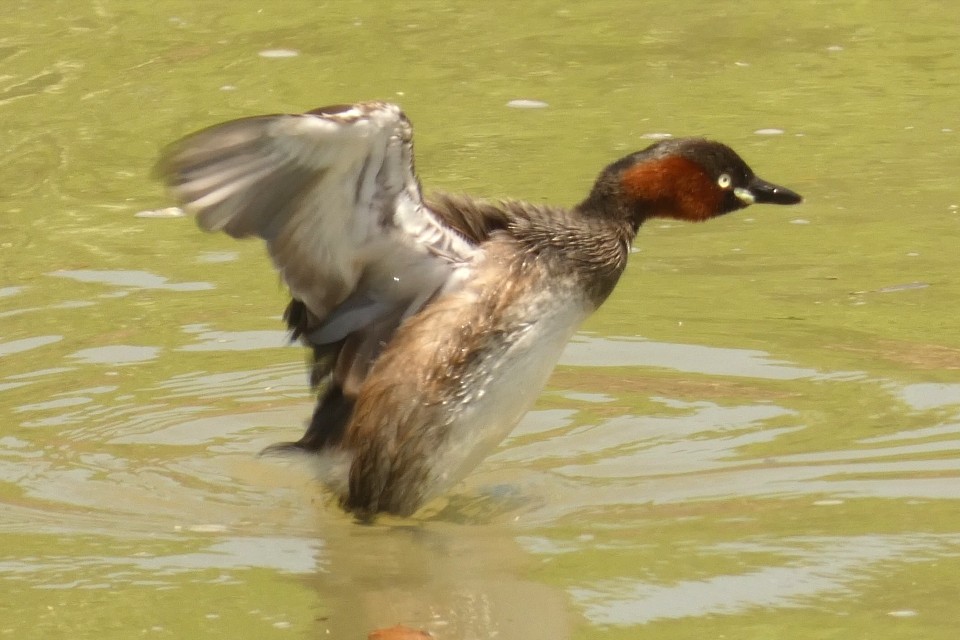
{"x":757,"y":437}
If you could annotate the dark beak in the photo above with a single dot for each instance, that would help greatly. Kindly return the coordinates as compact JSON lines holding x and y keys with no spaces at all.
{"x":767,"y":192}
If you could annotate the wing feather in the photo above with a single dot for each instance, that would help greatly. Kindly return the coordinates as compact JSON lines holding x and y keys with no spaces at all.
{"x":333,"y":194}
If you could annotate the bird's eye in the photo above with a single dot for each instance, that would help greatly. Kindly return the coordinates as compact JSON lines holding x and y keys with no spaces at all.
{"x":724,"y":181}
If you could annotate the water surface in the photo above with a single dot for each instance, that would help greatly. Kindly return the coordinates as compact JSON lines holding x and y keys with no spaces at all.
{"x":758,"y":436}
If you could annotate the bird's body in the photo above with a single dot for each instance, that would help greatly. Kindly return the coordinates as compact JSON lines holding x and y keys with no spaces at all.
{"x":433,"y":324}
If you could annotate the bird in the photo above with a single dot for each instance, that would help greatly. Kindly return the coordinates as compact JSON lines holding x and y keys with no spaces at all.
{"x":432,"y":322}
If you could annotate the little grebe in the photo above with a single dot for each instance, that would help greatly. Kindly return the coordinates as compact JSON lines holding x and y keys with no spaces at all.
{"x":433,"y":323}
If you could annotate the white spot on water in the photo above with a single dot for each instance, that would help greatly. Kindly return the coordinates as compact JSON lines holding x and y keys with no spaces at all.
{"x":769,"y":132}
{"x":902,"y":613}
{"x":169,"y":212}
{"x":656,"y":136}
{"x":909,"y":286}
{"x":279,"y":53}
{"x":207,"y":528}
{"x":523,"y":103}
{"x":10,"y":291}
{"x":799,"y":221}
{"x":213,"y":257}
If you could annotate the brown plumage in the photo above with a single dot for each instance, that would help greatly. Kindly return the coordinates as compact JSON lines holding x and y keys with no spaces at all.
{"x":433,"y":323}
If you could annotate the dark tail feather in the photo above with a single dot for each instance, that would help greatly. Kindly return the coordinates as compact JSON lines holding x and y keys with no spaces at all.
{"x":326,"y":426}
{"x":329,"y":420}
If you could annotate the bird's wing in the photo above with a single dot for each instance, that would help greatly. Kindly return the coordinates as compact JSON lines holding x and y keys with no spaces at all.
{"x":334,"y":195}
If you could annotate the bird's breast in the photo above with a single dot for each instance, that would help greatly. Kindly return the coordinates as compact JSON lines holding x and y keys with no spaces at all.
{"x":498,"y":386}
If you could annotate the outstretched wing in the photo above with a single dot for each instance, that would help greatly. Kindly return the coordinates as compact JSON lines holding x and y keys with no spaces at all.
{"x":334,"y":195}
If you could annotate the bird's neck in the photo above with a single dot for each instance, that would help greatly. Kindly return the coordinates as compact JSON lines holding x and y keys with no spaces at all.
{"x":604,"y":204}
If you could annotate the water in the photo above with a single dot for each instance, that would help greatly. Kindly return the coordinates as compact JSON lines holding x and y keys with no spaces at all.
{"x":758,"y":436}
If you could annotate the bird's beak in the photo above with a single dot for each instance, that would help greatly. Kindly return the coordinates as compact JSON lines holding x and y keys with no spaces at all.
{"x":760,"y":191}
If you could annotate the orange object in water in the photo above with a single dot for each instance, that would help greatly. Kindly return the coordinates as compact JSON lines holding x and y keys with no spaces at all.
{"x":399,"y":632}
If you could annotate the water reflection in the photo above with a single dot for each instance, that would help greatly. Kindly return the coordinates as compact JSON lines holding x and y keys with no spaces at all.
{"x":621,"y":352}
{"x":922,"y":397}
{"x":455,"y":582}
{"x":25,"y":344}
{"x":130,"y":278}
{"x":208,"y":340}
{"x":289,"y":555}
{"x":116,"y":354}
{"x":810,"y":570}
